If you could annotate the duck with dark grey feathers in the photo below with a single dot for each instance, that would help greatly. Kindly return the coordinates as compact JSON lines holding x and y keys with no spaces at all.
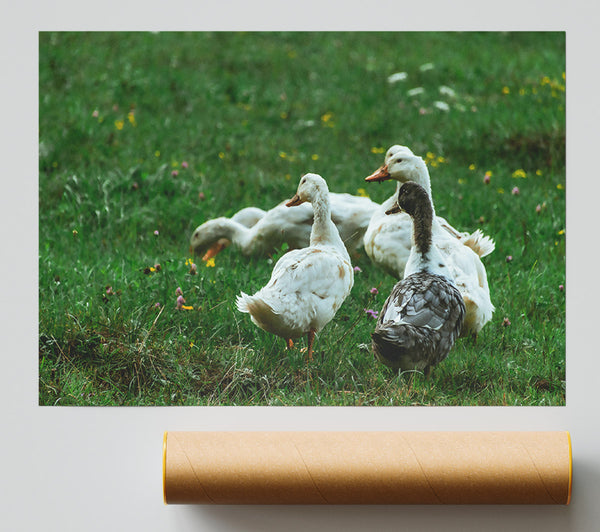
{"x":423,"y":315}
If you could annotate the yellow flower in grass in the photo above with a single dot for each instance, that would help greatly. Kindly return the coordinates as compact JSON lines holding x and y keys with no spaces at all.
{"x":561,"y":232}
{"x":327,"y":117}
{"x":472,"y":167}
{"x":374,"y":149}
{"x":505,"y":90}
{"x":519,"y":173}
{"x":210,"y":263}
{"x":362,"y":193}
{"x":560,"y":186}
{"x":131,"y":118}
{"x":119,"y":124}
{"x":538,"y":172}
{"x":314,"y":156}
{"x":187,"y":307}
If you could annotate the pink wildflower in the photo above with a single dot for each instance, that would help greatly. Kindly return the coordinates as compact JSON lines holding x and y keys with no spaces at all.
{"x":184,"y":164}
{"x":357,"y":269}
{"x":180,"y":302}
{"x":506,"y":322}
{"x":374,"y":291}
{"x":156,"y":233}
{"x":178,"y":292}
{"x":561,"y":287}
{"x":538,"y":208}
{"x":515,"y":191}
{"x":371,"y":313}
{"x":509,"y":258}
{"x":174,"y":173}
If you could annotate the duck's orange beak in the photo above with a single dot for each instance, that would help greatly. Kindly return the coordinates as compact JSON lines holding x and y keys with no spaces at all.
{"x":214,"y":250}
{"x":381,"y":174}
{"x":296,"y":200}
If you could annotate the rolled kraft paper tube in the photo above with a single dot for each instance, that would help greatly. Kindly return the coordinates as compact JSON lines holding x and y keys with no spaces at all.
{"x":367,"y":467}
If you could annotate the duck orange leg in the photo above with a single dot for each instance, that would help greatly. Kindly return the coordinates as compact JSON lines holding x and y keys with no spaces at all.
{"x":311,"y":339}
{"x":288,"y":343}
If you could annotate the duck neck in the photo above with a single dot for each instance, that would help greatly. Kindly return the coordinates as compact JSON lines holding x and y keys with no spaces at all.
{"x":231,"y":230}
{"x":424,"y":256}
{"x":420,"y":175}
{"x":422,"y":221}
{"x":324,"y":231}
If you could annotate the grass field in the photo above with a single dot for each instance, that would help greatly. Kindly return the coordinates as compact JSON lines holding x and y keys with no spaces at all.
{"x":144,"y":136}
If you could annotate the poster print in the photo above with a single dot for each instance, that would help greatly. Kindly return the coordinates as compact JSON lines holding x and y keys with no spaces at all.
{"x":166,"y":161}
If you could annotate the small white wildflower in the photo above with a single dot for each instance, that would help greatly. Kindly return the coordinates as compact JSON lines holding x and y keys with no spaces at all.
{"x":442,"y":106}
{"x":398,"y":76}
{"x":426,"y":67}
{"x":416,"y":91}
{"x":447,"y":91}
{"x":305,"y":123}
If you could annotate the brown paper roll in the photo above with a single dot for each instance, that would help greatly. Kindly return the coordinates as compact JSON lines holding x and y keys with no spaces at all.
{"x":367,"y":467}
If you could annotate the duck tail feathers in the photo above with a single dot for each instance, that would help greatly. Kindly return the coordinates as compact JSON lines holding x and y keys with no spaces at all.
{"x":481,"y":244}
{"x":243,"y":302}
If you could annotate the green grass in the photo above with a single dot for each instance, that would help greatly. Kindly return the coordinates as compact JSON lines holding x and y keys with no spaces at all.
{"x":250,"y":113}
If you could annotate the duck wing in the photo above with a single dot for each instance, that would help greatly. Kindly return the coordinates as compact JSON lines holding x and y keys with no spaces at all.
{"x":419,"y":322}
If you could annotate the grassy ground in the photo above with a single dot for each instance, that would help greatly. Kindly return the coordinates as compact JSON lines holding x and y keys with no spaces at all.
{"x":145,"y":136}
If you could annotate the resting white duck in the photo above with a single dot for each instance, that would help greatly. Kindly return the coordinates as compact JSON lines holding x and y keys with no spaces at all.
{"x":387,"y":240}
{"x":464,"y":264}
{"x":308,"y":285}
{"x":423,"y":315}
{"x":350,"y":214}
{"x":248,"y":217}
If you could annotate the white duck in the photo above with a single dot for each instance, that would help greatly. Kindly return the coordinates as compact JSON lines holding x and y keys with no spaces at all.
{"x":350,"y":214}
{"x":387,"y":240}
{"x":466,"y":268}
{"x":423,"y":315}
{"x":248,"y":217}
{"x":308,"y":285}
